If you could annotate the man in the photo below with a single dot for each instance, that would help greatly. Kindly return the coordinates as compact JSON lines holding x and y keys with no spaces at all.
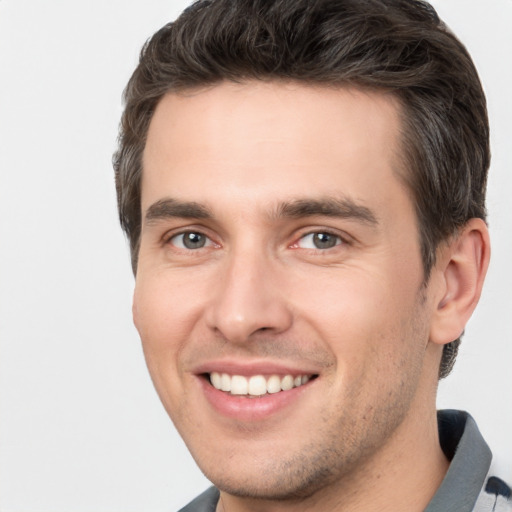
{"x":303,"y":187}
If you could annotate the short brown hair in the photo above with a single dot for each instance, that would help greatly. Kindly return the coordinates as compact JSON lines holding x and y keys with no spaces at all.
{"x":397,"y":45}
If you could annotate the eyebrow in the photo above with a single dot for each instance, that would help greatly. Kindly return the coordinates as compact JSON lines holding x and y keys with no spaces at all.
{"x":344,"y":208}
{"x":169,"y":208}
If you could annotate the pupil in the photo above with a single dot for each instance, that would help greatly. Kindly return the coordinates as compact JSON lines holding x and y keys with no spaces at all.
{"x":193,"y":240}
{"x":324,"y":240}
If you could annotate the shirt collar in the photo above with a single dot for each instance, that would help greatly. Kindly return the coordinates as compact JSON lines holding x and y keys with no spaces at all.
{"x":470,"y":457}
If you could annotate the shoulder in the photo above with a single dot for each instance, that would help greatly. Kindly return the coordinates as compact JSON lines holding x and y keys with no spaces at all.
{"x":473,"y":481}
{"x":495,"y":496}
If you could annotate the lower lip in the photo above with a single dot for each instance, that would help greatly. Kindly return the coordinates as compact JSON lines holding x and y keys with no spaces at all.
{"x":247,"y":409}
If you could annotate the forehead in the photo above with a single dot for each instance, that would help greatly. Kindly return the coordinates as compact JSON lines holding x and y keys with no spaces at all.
{"x":270,"y":141}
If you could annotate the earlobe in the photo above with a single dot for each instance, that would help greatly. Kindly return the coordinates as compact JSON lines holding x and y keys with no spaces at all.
{"x":463,"y":267}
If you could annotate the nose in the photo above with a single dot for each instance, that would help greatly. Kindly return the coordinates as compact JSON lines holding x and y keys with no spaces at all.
{"x":248,"y":299}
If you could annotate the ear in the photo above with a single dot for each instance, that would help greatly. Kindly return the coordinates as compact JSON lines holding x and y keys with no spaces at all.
{"x":461,"y":269}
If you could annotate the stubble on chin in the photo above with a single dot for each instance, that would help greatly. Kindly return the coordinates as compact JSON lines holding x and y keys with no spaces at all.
{"x":340,"y":453}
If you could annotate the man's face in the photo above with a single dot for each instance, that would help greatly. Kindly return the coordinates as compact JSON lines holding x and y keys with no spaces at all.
{"x":279,"y":250}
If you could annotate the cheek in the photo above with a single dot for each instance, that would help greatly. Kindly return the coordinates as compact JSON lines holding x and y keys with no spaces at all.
{"x":364,"y":318}
{"x":165,"y":314}
{"x":164,"y":307}
{"x":350,"y":304}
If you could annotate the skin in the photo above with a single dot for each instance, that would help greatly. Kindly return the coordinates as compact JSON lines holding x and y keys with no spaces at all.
{"x":362,"y":435}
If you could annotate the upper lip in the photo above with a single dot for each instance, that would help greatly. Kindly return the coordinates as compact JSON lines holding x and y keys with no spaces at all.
{"x":248,"y":368}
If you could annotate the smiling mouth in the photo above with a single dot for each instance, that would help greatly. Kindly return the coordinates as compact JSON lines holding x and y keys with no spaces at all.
{"x":256,"y":385}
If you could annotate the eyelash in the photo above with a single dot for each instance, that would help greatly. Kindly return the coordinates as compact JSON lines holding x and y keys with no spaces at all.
{"x":339,"y":240}
{"x":208,"y":242}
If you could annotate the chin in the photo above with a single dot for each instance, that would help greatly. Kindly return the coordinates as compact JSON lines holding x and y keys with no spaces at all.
{"x":276,"y":479}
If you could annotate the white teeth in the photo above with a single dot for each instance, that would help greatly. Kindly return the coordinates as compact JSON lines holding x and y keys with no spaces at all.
{"x":287,"y":383}
{"x":225,"y":382}
{"x":274,"y":384}
{"x":239,"y":385}
{"x":216,"y":380}
{"x":256,"y":385}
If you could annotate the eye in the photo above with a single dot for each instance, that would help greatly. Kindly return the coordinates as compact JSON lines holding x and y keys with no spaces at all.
{"x":319,"y":240}
{"x":190,"y":240}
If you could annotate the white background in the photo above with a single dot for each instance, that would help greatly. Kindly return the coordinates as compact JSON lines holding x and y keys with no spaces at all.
{"x":81,"y":428}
